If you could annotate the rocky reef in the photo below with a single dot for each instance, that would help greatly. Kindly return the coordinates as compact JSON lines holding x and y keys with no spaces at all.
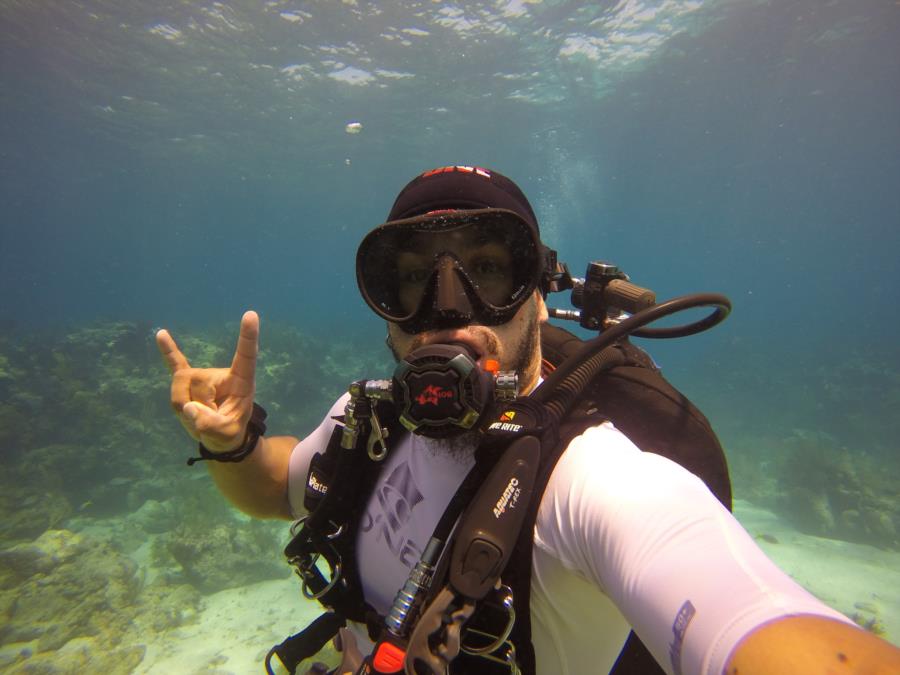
{"x":815,"y":439}
{"x":106,"y":536}
{"x":73,"y":604}
{"x":829,"y":490}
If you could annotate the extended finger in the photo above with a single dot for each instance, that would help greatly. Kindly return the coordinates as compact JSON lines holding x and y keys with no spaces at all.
{"x":243,"y":364}
{"x":173,"y":357}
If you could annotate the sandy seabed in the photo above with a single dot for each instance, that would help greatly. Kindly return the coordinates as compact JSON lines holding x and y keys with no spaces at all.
{"x":236,"y":627}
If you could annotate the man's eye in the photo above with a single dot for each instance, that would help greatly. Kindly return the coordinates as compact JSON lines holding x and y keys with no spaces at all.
{"x":488,"y":267}
{"x":418,"y":275}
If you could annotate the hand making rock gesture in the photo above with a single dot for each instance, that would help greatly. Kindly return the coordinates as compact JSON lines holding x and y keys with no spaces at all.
{"x":214,"y":404}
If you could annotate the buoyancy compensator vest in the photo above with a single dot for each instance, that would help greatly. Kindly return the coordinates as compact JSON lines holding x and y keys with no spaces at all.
{"x":656,"y":417}
{"x":605,"y":379}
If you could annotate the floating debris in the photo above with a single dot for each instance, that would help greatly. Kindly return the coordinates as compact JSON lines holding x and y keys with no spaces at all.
{"x":353,"y":127}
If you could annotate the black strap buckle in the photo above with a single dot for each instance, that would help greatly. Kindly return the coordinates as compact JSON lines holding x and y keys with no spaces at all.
{"x":304,"y":553}
{"x":484,"y":642}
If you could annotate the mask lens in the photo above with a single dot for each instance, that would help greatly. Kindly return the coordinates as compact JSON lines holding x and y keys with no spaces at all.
{"x":494,"y":255}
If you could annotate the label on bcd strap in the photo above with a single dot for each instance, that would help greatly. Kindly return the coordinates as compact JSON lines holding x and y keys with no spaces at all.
{"x":513,"y":419}
{"x":490,"y":526}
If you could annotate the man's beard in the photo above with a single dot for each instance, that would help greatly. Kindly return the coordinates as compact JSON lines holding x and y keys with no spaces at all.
{"x":461,"y":447}
{"x":523,"y":355}
{"x":527,"y":349}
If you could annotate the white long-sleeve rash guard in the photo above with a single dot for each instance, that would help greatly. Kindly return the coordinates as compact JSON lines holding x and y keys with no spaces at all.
{"x":623,"y":539}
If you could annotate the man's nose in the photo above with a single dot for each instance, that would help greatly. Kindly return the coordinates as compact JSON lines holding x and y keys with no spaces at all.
{"x":452,"y":307}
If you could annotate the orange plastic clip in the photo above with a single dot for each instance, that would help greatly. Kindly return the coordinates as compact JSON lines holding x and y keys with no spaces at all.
{"x":388,"y":658}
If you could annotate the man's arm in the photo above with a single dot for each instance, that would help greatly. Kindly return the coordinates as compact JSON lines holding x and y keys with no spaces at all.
{"x":812,"y":644}
{"x":258,"y":485}
{"x":214,"y":405}
{"x":678,"y":565}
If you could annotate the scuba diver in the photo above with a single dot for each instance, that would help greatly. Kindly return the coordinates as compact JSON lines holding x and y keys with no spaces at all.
{"x":511,"y":499}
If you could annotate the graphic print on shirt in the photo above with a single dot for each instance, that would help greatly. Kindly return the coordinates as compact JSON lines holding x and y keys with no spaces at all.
{"x":679,"y":628}
{"x":391,"y":510}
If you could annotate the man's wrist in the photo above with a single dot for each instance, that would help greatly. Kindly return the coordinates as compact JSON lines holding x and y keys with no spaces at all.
{"x":256,"y":427}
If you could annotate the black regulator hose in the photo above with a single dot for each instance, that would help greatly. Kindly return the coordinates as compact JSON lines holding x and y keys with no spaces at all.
{"x":562,"y":387}
{"x":722,"y":303}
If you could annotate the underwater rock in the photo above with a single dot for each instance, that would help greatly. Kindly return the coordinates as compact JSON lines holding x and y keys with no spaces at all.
{"x":809,"y":511}
{"x":95,"y":480}
{"x":25,"y":513}
{"x":102,"y":454}
{"x":164,"y":607}
{"x":79,"y":656}
{"x":850,"y":519}
{"x":830,"y":491}
{"x":879,"y":524}
{"x":753,"y":477}
{"x":207,"y":351}
{"x":64,"y":586}
{"x":52,"y":549}
{"x":157,"y":488}
{"x":155,"y":517}
{"x":223,"y":556}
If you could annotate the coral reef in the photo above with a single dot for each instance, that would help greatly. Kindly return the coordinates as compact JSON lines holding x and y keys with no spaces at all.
{"x":74,"y":604}
{"x":811,"y":433}
{"x":63,"y":586}
{"x":828,"y":490}
{"x":28,"y":512}
{"x":222,"y":556}
{"x":213,"y":548}
{"x":105,"y":536}
{"x":85,"y":419}
{"x":77,"y":656}
{"x":823,"y":488}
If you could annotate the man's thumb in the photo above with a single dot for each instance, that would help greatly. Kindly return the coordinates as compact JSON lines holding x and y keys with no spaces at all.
{"x":195,"y":413}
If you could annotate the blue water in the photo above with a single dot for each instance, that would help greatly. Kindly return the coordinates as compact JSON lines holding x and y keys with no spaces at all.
{"x":170,"y":162}
{"x":173,"y":164}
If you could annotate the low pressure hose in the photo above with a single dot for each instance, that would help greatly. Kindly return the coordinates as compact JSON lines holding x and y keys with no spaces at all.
{"x":567,"y":391}
{"x":561,"y":389}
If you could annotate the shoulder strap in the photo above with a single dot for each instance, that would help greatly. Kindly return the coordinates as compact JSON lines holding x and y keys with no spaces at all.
{"x":337,"y":486}
{"x":644,"y":406}
{"x":639,"y":401}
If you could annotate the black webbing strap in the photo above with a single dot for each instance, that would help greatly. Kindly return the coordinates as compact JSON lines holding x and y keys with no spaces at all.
{"x":333,"y":512}
{"x":306,"y":643}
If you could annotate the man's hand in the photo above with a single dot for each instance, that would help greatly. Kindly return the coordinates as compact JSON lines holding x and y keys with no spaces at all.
{"x":796,"y":645}
{"x":214,"y":404}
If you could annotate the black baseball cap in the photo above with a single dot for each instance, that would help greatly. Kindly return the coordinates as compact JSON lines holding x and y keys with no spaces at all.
{"x":461,"y":187}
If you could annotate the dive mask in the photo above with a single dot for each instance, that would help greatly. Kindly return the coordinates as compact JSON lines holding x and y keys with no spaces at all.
{"x":449,"y":269}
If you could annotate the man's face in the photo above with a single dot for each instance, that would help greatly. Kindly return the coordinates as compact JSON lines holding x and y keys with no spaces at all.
{"x":516,"y":344}
{"x":485,"y":257}
{"x":480,"y":265}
